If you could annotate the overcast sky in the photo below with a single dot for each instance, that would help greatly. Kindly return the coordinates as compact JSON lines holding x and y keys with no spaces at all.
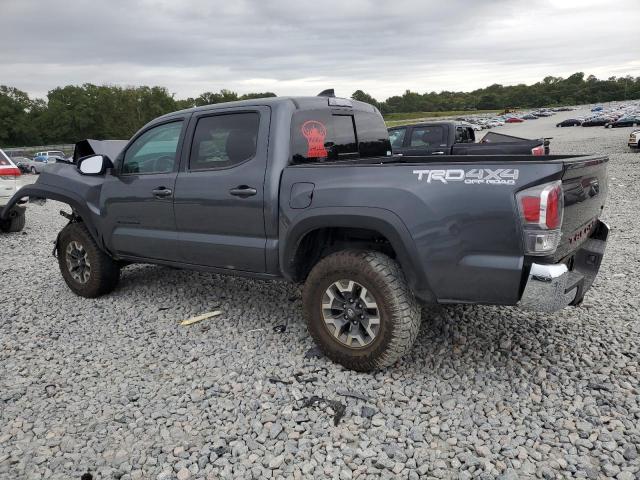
{"x":293,"y":47}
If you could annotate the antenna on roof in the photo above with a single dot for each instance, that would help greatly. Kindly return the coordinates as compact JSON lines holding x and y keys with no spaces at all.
{"x":329,"y":92}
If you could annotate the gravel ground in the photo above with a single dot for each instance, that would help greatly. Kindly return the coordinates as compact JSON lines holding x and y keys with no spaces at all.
{"x":115,"y":387}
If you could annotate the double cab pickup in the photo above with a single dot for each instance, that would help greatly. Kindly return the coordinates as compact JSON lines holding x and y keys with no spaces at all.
{"x":307,"y":189}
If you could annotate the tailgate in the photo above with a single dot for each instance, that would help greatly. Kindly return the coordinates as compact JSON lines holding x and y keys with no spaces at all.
{"x":585,"y":190}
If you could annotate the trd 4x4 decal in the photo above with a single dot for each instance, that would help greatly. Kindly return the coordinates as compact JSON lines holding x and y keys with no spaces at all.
{"x":488,"y":176}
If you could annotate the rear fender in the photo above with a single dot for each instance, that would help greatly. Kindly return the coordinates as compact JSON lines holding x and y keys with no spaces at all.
{"x":380,"y":220}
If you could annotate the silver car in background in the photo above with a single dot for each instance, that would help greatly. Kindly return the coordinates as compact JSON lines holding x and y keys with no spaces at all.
{"x":42,"y":159}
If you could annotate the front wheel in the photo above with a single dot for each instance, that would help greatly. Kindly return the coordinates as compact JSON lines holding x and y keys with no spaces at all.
{"x":87,"y":270}
{"x":33,"y":170}
{"x":360,"y":310}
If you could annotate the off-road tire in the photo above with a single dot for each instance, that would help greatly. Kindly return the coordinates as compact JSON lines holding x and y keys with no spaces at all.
{"x":105,"y":272}
{"x":14,"y":224}
{"x":400,"y":314}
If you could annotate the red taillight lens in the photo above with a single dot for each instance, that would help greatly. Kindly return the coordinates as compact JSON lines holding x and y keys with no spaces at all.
{"x":553,"y":217}
{"x":537,"y":151}
{"x":9,"y":172}
{"x":541,"y":211}
{"x":530,"y":208}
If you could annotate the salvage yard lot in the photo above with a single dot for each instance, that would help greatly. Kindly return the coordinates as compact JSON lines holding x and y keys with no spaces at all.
{"x":117,"y":387}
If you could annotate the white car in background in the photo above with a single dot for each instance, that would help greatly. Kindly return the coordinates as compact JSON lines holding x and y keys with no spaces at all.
{"x":9,"y":185}
{"x":634,"y":139}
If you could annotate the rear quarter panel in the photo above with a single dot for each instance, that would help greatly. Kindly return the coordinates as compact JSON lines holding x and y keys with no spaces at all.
{"x":464,"y":239}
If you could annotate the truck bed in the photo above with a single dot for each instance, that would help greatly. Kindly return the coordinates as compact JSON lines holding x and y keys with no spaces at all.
{"x":458,"y":212}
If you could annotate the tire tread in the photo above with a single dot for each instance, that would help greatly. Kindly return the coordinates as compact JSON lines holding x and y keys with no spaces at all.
{"x":404,"y":309}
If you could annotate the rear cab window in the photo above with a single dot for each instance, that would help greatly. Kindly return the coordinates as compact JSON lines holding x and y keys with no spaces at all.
{"x":326,"y":135}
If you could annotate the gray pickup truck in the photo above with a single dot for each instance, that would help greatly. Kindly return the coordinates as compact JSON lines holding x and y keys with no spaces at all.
{"x":458,"y":138}
{"x":307,"y":189}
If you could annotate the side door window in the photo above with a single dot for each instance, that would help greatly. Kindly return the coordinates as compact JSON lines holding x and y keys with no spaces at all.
{"x":223,"y":141}
{"x":154,"y":151}
{"x":397,"y":137}
{"x":427,"y":137}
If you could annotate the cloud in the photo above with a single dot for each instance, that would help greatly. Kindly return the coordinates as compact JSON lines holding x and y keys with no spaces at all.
{"x":293,"y":47}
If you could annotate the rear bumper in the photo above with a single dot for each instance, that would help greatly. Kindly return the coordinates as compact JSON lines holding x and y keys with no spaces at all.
{"x":551,"y":287}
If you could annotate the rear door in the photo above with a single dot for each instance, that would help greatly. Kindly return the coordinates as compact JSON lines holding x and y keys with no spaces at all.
{"x":219,"y":194}
{"x":138,"y":198}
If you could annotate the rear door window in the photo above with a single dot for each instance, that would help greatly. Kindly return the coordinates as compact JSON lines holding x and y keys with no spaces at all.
{"x":222,"y":141}
{"x":427,"y":136}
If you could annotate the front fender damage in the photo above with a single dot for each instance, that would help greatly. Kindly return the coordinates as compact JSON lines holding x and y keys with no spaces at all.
{"x":64,"y":184}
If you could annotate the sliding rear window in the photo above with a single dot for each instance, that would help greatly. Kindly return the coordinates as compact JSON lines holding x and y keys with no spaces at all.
{"x":325,"y":136}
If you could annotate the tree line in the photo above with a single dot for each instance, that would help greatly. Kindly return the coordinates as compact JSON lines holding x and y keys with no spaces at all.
{"x":73,"y":112}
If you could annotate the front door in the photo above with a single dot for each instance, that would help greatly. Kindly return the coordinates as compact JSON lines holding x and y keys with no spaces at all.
{"x":139,"y":196}
{"x":219,"y":193}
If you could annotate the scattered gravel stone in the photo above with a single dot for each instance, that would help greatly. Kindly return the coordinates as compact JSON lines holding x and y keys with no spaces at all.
{"x":116,"y":387}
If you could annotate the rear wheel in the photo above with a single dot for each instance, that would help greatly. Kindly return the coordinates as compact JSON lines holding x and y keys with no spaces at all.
{"x":360,"y":310}
{"x":87,"y":270}
{"x":14,"y":224}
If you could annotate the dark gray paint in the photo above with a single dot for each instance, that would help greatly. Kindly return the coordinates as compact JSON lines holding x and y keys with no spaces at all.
{"x":456,"y":242}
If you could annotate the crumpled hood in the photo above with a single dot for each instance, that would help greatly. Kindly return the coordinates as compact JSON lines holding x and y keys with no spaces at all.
{"x":110,"y":148}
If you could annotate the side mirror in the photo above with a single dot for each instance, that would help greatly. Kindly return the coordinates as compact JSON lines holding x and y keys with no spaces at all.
{"x":94,"y":164}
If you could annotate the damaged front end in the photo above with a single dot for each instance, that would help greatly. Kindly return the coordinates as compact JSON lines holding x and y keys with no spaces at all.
{"x":63,"y":183}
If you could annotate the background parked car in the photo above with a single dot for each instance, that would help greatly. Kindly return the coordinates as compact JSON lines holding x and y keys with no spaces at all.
{"x":624,"y":122}
{"x":50,"y":155}
{"x":37,"y":164}
{"x":595,"y":122}
{"x":42,"y":159}
{"x":570,"y":122}
{"x":22,"y":163}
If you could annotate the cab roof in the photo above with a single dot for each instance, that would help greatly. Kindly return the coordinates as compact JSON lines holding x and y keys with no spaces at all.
{"x":298,"y":103}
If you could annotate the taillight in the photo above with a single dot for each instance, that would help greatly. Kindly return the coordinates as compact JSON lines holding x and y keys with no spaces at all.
{"x":9,"y":173}
{"x":537,"y":151}
{"x":541,"y":210}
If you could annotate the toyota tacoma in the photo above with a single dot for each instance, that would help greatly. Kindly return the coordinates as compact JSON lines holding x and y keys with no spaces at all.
{"x":307,"y":189}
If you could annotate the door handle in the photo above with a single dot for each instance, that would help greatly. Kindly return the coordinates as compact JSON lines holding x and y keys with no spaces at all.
{"x":437,"y":153}
{"x":243,"y":191}
{"x":162,"y":192}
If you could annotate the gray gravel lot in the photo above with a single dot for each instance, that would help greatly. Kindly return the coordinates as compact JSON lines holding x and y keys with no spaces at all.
{"x":115,"y":387}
